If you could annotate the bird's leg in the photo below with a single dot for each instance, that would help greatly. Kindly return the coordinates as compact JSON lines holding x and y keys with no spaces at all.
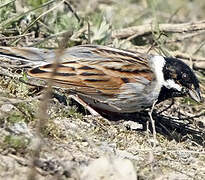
{"x":153,"y":124}
{"x":85,"y":105}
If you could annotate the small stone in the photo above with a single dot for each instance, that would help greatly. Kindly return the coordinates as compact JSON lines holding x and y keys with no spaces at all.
{"x":133,"y":125}
{"x":7,"y":107}
{"x":109,"y":168}
{"x":20,"y":128}
{"x":85,"y":144}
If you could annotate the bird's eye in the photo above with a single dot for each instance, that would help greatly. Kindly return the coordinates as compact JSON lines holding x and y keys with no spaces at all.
{"x":184,"y":76}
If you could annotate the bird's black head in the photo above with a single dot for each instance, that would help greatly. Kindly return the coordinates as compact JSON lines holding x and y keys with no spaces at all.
{"x":180,"y":80}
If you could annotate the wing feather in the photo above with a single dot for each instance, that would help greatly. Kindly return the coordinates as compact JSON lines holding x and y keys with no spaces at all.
{"x":92,"y":69}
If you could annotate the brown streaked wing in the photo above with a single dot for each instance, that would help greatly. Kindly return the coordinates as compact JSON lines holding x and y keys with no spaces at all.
{"x":104,"y":76}
{"x":115,"y":54}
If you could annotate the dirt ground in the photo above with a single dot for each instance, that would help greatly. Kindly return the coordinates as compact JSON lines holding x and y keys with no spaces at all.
{"x":56,"y":138}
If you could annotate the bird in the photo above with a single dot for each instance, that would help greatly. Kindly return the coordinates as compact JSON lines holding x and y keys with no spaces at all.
{"x":110,"y":79}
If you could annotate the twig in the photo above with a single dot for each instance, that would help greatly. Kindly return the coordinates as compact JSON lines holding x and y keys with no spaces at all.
{"x":7,"y":3}
{"x":153,"y":124}
{"x":136,"y":31}
{"x":14,"y":37}
{"x":182,"y":37}
{"x":47,"y":38}
{"x":199,"y":47}
{"x":85,"y":105}
{"x":186,"y":56}
{"x":199,"y":65}
{"x":72,"y":10}
{"x":43,"y":115}
{"x":89,"y":33}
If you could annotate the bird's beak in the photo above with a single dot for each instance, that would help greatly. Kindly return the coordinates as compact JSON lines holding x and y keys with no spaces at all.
{"x":195,"y":94}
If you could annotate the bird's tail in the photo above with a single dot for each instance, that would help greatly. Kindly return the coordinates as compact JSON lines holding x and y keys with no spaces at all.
{"x":25,"y":55}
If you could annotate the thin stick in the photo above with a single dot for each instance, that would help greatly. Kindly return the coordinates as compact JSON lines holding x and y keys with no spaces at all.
{"x":85,"y":105}
{"x":146,"y":29}
{"x":153,"y":124}
{"x":72,"y":10}
{"x":7,"y":3}
{"x":43,"y":115}
{"x":89,"y":32}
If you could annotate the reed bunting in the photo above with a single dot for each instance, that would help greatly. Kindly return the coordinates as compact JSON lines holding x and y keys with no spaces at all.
{"x":110,"y":79}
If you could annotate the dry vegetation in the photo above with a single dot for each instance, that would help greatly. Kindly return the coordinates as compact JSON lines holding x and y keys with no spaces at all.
{"x":55,"y":138}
